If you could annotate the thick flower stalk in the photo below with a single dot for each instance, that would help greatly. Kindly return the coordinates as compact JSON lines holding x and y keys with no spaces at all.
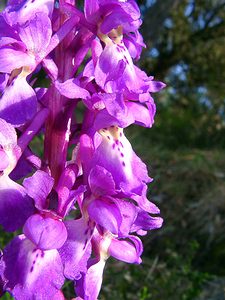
{"x":74,"y":210}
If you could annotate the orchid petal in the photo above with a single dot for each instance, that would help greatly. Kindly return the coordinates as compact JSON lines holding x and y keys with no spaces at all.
{"x":32,"y":273}
{"x":76,"y":250}
{"x":45,"y":233}
{"x":15,"y":205}
{"x":38,"y":187}
{"x":18,"y":103}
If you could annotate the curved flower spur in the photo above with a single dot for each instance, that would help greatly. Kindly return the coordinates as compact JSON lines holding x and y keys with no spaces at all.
{"x":74,"y":211}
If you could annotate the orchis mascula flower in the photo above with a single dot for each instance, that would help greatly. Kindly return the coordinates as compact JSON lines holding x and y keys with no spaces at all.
{"x":76,"y":211}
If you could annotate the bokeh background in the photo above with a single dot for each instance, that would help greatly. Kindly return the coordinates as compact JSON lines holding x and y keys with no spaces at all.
{"x":184,"y":151}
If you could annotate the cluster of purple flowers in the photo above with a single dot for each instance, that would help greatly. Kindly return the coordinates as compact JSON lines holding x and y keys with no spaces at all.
{"x":74,"y":210}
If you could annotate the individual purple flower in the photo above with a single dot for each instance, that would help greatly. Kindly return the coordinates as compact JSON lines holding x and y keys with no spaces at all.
{"x":115,"y":109}
{"x":117,"y":20}
{"x":20,"y":58}
{"x":112,"y":150}
{"x":118,"y":24}
{"x":114,"y":70}
{"x":32,"y":273}
{"x":105,"y":245}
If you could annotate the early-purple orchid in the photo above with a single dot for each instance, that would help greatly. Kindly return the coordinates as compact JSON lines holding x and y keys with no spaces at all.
{"x":72,"y":211}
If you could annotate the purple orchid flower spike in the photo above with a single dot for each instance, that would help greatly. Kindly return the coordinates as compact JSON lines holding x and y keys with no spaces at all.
{"x":74,"y":212}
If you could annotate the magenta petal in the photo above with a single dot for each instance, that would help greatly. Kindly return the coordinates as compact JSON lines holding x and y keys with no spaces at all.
{"x":90,"y":8}
{"x":115,"y":105}
{"x":50,"y":67}
{"x":64,"y":186}
{"x":3,"y":81}
{"x":8,"y":135}
{"x":24,"y":10}
{"x":22,"y":169}
{"x":101,"y":181}
{"x":77,"y":248}
{"x":45,"y":233}
{"x":128,"y":251}
{"x":104,"y":119}
{"x":86,"y":152}
{"x":145,"y":204}
{"x":129,"y":213}
{"x":15,"y":205}
{"x":105,"y":213}
{"x":71,"y":89}
{"x":32,"y":273}
{"x":6,"y":30}
{"x":88,"y":287}
{"x":142,"y":115}
{"x":38,"y":187}
{"x":18,"y":103}
{"x":36,"y":34}
{"x":146,"y":222}
{"x":4,"y":160}
{"x":116,"y":18}
{"x":155,"y":86}
{"x":11,"y":59}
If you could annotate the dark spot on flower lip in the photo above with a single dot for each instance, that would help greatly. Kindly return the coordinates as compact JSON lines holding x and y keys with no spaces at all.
{"x":108,"y":137}
{"x":85,"y":243}
{"x":121,"y":154}
{"x":31,"y":269}
{"x":126,"y":61}
{"x":123,"y":163}
{"x":125,"y":216}
{"x":42,"y":254}
{"x":37,"y":255}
